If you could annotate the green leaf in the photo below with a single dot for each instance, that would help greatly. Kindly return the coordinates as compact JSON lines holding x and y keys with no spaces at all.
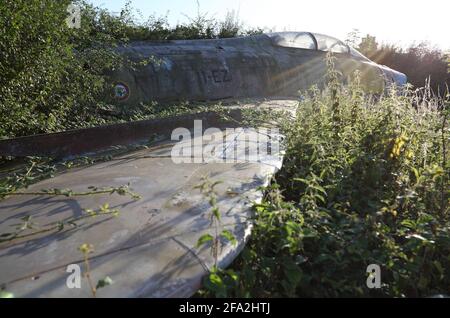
{"x":215,"y":279}
{"x":318,"y":188}
{"x":408,"y":223}
{"x":215,"y":284}
{"x":216,"y":213}
{"x":104,"y":208}
{"x":204,"y":239}
{"x":416,"y":173}
{"x":229,"y":236}
{"x":216,"y":183}
{"x":302,"y":180}
{"x":232,"y":274}
{"x":104,"y":282}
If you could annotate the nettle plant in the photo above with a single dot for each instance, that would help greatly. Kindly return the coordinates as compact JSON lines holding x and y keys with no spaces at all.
{"x":218,"y":280}
{"x":28,"y":228}
{"x":87,"y":249}
{"x":365,"y":180}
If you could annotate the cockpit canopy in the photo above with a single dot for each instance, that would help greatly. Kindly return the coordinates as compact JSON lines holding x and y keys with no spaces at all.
{"x":313,"y":41}
{"x":299,"y":40}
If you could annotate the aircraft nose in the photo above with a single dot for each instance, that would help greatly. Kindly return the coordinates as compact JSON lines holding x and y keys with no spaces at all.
{"x":396,"y":77}
{"x":400,"y":78}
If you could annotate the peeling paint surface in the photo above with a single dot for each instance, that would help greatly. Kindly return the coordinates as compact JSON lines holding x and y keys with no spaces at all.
{"x":276,"y":64}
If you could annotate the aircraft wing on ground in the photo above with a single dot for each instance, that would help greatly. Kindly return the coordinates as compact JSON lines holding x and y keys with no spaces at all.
{"x":150,"y":248}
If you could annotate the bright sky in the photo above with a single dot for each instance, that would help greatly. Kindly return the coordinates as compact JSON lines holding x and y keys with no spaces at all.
{"x":394,"y":21}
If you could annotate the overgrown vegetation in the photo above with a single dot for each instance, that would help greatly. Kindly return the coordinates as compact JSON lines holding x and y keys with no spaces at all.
{"x":217,"y":238}
{"x":364,"y":181}
{"x":52,"y":76}
{"x":55,"y":78}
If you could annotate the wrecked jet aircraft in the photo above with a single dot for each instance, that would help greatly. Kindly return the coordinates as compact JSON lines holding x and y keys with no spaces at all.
{"x":151,"y":248}
{"x":274,"y":64}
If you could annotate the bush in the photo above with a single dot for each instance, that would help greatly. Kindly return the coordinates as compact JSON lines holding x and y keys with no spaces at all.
{"x":34,"y":54}
{"x":53,"y":75}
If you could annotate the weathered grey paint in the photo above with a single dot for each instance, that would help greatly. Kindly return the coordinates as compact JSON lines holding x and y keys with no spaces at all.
{"x":237,"y":67}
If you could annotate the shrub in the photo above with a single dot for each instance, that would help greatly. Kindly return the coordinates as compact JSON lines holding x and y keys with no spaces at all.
{"x":52,"y":76}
